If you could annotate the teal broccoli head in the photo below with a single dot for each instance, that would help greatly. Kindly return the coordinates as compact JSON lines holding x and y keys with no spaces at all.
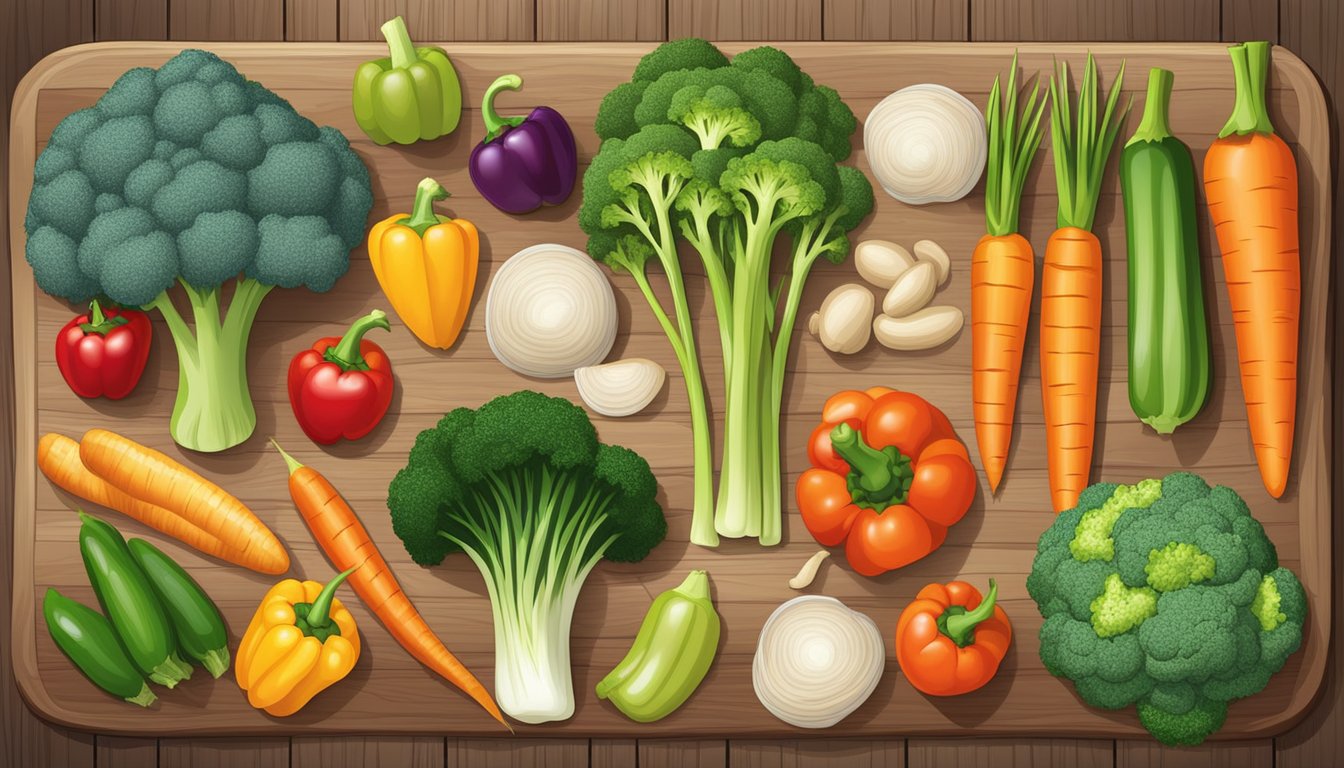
{"x":174,"y":173}
{"x":1167,"y":595}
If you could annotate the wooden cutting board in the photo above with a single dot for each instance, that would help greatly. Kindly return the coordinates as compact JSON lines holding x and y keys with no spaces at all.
{"x":388,"y":691}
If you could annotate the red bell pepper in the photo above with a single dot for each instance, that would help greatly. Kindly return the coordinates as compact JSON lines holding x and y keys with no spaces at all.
{"x":341,"y":386}
{"x":103,"y":353}
{"x":950,"y":641}
{"x":888,"y":478}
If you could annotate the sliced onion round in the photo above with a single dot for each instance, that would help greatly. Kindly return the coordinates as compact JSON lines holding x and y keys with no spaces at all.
{"x":549,"y":311}
{"x":816,"y":661}
{"x":926,"y":144}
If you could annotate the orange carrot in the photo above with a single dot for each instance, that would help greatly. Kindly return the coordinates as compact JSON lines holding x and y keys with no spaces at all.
{"x":1250,"y":181}
{"x":1002,"y":274}
{"x":1071,"y":279}
{"x":343,"y":537}
{"x":147,"y":486}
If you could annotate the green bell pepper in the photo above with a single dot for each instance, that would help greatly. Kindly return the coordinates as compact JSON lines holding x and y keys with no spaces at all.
{"x":412,"y":95}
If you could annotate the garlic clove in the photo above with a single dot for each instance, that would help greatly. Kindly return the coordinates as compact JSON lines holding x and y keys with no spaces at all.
{"x":928,"y":328}
{"x":881,"y":262}
{"x":933,"y":253}
{"x":844,"y":322}
{"x":912,"y":291}
{"x":621,"y":388}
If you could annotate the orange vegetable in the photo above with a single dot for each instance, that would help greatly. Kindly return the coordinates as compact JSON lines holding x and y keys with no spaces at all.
{"x":146,"y":485}
{"x":1002,"y":274}
{"x":343,"y":537}
{"x":1250,"y":181}
{"x":949,"y":641}
{"x":888,"y":479}
{"x":1071,"y":279}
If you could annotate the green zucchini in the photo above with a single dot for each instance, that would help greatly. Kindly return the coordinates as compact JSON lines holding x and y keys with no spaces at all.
{"x":200,"y":629}
{"x":1168,"y":332}
{"x":86,"y":638}
{"x":130,"y":603}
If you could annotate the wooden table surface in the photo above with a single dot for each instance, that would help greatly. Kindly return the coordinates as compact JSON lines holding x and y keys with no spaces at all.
{"x":1307,"y":28}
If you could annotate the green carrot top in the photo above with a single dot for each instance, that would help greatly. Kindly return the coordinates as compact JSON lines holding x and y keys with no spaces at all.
{"x":1081,"y":150}
{"x":1014,"y":138}
{"x":1250,"y":67}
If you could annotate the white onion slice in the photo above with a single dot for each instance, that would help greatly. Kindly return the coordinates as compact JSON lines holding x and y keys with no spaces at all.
{"x":926,"y":144}
{"x":549,"y":311}
{"x":816,"y":661}
{"x":622,"y":388}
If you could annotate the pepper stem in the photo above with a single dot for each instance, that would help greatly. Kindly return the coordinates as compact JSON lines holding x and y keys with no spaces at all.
{"x":99,"y":322}
{"x":399,"y":43}
{"x":961,"y":626}
{"x":696,"y":586}
{"x":290,"y":461}
{"x":877,"y":479}
{"x":422,"y":217}
{"x":319,"y":613}
{"x":493,"y":122}
{"x":1250,"y":67}
{"x":1154,"y":126}
{"x":346,"y":353}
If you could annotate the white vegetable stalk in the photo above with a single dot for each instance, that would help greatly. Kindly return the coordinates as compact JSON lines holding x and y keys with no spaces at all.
{"x":926,"y":144}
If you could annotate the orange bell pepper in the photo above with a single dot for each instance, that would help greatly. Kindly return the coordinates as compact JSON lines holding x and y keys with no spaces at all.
{"x":888,"y":478}
{"x":426,"y":265}
{"x":949,"y":641}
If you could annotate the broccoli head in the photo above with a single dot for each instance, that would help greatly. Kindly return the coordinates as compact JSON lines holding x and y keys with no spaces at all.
{"x":523,"y":486}
{"x":1166,"y":595}
{"x":193,"y":174}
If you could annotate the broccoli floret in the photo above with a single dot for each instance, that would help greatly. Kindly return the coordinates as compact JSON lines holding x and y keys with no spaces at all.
{"x":1166,"y":595}
{"x":191,"y":173}
{"x":687,"y":53}
{"x":523,"y":487}
{"x":616,"y":116}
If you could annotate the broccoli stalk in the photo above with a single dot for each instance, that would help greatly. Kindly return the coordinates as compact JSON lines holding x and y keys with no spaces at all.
{"x":524,"y":488}
{"x":192,"y":175}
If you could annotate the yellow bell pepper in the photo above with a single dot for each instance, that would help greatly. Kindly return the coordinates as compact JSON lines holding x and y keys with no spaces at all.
{"x":426,"y":264}
{"x":300,"y":641}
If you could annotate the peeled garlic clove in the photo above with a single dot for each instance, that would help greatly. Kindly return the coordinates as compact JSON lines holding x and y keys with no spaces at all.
{"x":843,"y":324}
{"x":881,"y":262}
{"x":912,"y":291}
{"x":933,"y":253}
{"x":622,"y":388}
{"x":925,"y":329}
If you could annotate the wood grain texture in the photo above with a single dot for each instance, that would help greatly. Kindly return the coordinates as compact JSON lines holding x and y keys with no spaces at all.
{"x":388,"y":691}
{"x":125,"y":752}
{"x":584,"y":20}
{"x":226,"y":20}
{"x":817,"y":753}
{"x":1167,"y":20}
{"x":312,"y":20}
{"x":992,"y":753}
{"x":533,"y":753}
{"x":224,"y":753}
{"x":612,"y":753}
{"x":683,"y":753}
{"x":896,"y":19}
{"x":745,"y":19}
{"x":435,"y":20}
{"x":130,"y":19}
{"x":1251,"y":20}
{"x":1148,"y":754}
{"x":366,"y":752}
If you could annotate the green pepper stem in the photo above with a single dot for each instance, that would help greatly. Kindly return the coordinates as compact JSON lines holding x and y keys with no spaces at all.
{"x":422,"y":217}
{"x":319,"y":614}
{"x":696,"y":586}
{"x":1250,"y":114}
{"x":1154,"y":126}
{"x":493,"y":122}
{"x":961,"y":626}
{"x":346,"y":353}
{"x":399,"y":43}
{"x":99,"y":322}
{"x":290,"y":461}
{"x":876,"y":478}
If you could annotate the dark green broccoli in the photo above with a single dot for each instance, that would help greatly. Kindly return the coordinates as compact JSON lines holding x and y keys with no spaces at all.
{"x":193,"y":175}
{"x":523,"y":486}
{"x":1166,"y":595}
{"x":729,"y":157}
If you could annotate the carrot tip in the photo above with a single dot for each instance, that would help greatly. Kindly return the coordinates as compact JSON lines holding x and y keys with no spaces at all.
{"x":290,"y":461}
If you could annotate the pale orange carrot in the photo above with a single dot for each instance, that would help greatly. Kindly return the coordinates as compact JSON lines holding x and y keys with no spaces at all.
{"x":151,"y":477}
{"x":343,"y":537}
{"x":1002,"y":273}
{"x":1250,"y":181}
{"x":58,"y":457}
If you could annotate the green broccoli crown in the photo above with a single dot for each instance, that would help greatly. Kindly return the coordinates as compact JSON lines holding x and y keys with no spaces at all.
{"x":1168,"y":595}
{"x":524,"y":466}
{"x":193,"y":172}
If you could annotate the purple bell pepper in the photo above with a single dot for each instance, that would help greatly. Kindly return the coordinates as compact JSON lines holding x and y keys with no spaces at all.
{"x":523,"y":162}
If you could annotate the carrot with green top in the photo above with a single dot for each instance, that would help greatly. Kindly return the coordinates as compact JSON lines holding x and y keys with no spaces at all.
{"x":1250,"y":182}
{"x":1071,"y":279}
